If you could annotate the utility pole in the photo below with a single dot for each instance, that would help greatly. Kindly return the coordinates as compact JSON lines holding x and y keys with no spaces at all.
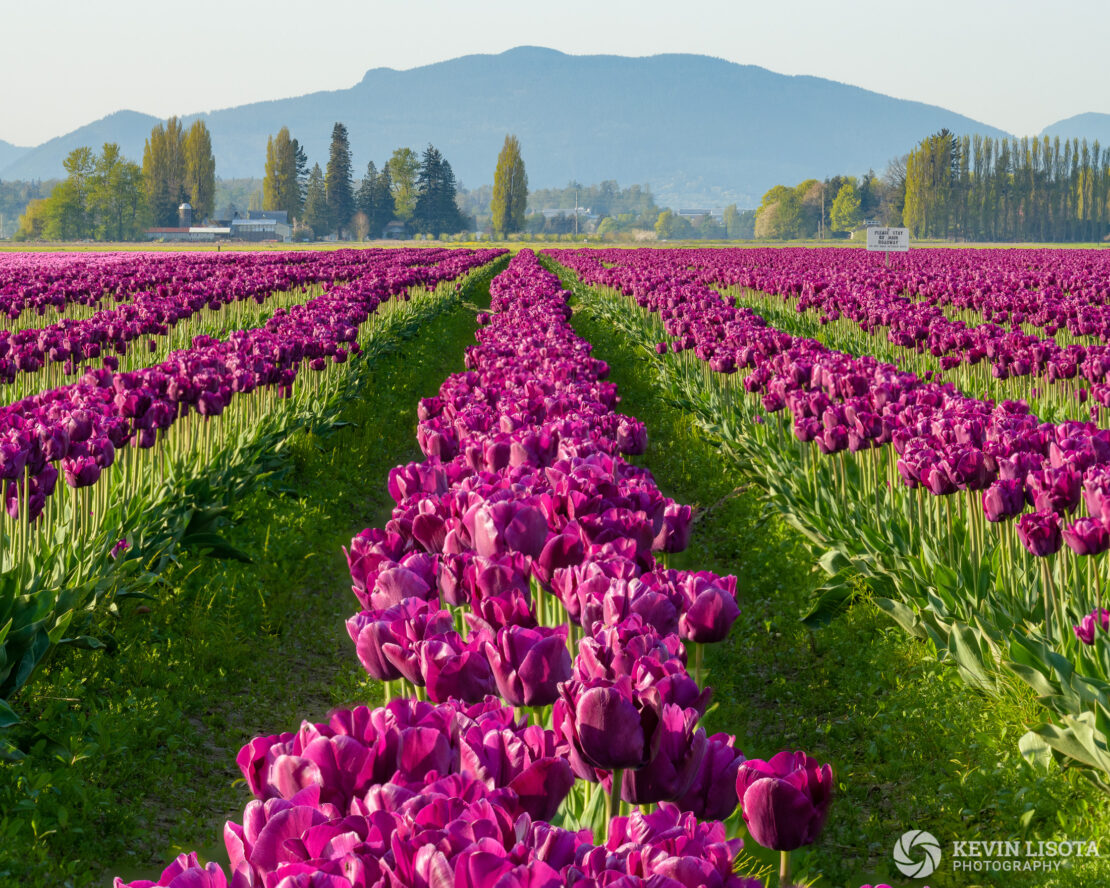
{"x":576,"y":212}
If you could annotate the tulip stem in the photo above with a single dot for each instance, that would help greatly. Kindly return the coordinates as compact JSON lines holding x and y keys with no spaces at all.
{"x":699,"y":653}
{"x":1049,"y":592}
{"x":388,"y":691}
{"x":615,"y":796}
{"x":1098,"y":584}
{"x":784,"y":869}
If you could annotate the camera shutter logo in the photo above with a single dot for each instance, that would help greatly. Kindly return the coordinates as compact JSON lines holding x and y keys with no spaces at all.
{"x":917,"y":854}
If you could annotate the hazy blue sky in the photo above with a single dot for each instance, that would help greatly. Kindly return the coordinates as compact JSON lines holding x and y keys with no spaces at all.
{"x":1018,"y":65}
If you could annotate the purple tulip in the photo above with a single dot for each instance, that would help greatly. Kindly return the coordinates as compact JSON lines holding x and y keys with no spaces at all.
{"x":529,"y":664}
{"x":509,"y":526}
{"x":608,"y":725}
{"x":677,"y":746}
{"x":1085,"y":631}
{"x":1054,"y":489}
{"x":451,"y":668}
{"x":1087,"y":536}
{"x":785,"y":800}
{"x":674,"y":536}
{"x":1004,"y":499}
{"x":185,"y":872}
{"x":710,"y":609}
{"x":712,"y":794}
{"x":1040,"y":533}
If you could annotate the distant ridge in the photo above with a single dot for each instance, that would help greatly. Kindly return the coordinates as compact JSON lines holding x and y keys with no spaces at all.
{"x":1089,"y":126}
{"x":698,"y":130}
{"x":9,"y":153}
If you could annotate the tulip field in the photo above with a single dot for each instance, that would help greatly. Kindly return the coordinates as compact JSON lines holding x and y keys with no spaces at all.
{"x":961,"y":511}
{"x":543,"y":695}
{"x":127,"y":443}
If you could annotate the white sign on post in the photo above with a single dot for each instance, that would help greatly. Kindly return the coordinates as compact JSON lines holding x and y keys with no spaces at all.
{"x":888,"y":240}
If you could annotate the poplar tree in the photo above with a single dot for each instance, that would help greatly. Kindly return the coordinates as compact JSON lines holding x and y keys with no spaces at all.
{"x":316,"y":202}
{"x":282,"y":187}
{"x":338,"y":181}
{"x":510,"y":189}
{"x":200,"y":170}
{"x":164,"y":172}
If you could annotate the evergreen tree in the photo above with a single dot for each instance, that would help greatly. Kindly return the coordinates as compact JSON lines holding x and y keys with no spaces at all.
{"x":200,"y":171}
{"x":164,"y":172}
{"x":300,"y":162}
{"x":375,"y":200}
{"x":510,"y":189}
{"x":338,"y":182}
{"x":316,"y":202}
{"x":436,"y":211}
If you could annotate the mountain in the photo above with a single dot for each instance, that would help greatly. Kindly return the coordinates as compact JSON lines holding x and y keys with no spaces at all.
{"x":129,"y":129}
{"x":10,"y":153}
{"x":698,"y":130}
{"x":1088,"y":126}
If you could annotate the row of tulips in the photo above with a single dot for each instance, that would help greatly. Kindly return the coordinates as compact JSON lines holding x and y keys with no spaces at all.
{"x":521,"y":530}
{"x":97,"y":474}
{"x":919,"y":488}
{"x":240,"y":291}
{"x":1038,"y":342}
{"x":34,"y":286}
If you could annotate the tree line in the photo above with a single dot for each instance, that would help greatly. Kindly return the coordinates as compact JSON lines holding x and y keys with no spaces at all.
{"x":418,"y":191}
{"x":832,"y":208}
{"x":108,"y":197}
{"x":989,"y":189}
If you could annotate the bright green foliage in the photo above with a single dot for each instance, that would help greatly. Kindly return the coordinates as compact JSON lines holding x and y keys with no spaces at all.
{"x":435,"y":211}
{"x":102,"y":198}
{"x":338,"y":182}
{"x":164,"y":172}
{"x":316,"y":202}
{"x":845,"y":214}
{"x":980,"y":188}
{"x":116,"y":196}
{"x":281,"y":188}
{"x":32,"y":222}
{"x":510,"y":189}
{"x":68,"y":213}
{"x":402,"y":168}
{"x":780,"y":214}
{"x":200,"y":171}
{"x":671,"y":226}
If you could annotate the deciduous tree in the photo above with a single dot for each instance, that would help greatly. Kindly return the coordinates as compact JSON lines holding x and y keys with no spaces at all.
{"x":845,"y":214}
{"x":403,"y":166}
{"x":510,"y":189}
{"x":316,"y":202}
{"x":164,"y":172}
{"x":200,"y":171}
